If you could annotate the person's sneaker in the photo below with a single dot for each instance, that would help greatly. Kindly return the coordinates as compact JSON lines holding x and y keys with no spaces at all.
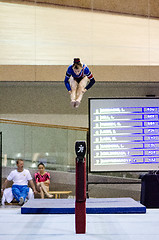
{"x":21,"y":201}
{"x":25,"y":200}
{"x":77,"y":104}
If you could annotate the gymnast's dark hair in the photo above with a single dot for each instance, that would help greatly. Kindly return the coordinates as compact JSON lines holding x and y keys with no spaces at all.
{"x":77,"y":63}
{"x":41,"y":163}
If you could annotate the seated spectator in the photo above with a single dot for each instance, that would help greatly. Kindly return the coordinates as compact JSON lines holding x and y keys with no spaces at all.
{"x":8,"y":195}
{"x":42,"y":179}
{"x":20,"y":178}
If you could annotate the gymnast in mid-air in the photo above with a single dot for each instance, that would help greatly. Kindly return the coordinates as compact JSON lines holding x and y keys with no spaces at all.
{"x":76,"y":81}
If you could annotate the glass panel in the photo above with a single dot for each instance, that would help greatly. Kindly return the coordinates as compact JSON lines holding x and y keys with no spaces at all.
{"x":13,"y":143}
{"x":0,"y":162}
{"x":52,"y":146}
{"x":49,"y":145}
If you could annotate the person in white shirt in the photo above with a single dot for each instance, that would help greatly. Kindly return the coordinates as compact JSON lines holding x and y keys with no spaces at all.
{"x":20,"y":178}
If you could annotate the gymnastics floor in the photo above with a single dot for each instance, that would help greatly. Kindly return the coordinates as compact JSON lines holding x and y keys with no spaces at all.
{"x":93,"y":206}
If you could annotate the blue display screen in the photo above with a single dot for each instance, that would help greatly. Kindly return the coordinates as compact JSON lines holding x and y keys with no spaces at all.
{"x":124,"y":134}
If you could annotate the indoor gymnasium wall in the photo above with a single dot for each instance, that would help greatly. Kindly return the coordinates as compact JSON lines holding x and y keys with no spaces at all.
{"x":56,"y":73}
{"x":116,"y":47}
{"x":50,"y":103}
{"x":135,"y":7}
{"x":121,"y":51}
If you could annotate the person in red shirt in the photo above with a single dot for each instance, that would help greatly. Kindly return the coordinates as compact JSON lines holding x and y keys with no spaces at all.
{"x":42,"y":179}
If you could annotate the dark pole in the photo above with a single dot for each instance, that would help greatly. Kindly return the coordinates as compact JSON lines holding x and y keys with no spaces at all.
{"x":87,"y":165}
{"x":80,"y":204}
